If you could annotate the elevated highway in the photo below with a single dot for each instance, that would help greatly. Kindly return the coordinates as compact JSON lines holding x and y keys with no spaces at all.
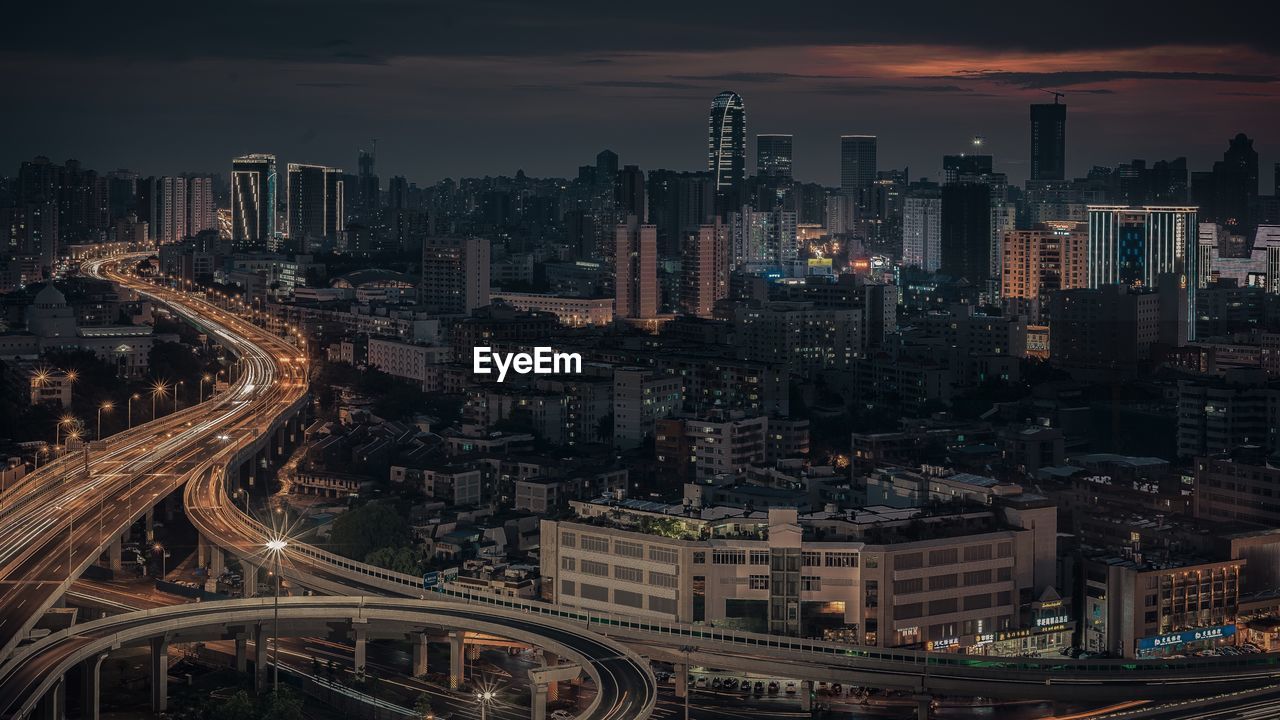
{"x":625,"y":685}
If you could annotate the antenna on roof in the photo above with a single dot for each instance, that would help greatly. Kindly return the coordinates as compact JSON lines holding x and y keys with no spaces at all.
{"x":1056,"y":95}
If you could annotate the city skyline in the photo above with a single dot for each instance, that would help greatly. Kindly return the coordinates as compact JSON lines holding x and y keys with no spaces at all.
{"x":318,"y":93}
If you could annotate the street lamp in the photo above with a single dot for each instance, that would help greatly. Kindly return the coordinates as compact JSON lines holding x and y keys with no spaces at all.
{"x":203,"y":379}
{"x":67,"y":420}
{"x":132,"y":397}
{"x":157,"y":390}
{"x":108,"y":405}
{"x":275,"y":548}
{"x":175,"y":395}
{"x":485,"y":698}
{"x":164,"y":554}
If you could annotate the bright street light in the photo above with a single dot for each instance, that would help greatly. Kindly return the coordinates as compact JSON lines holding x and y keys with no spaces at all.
{"x":275,"y":547}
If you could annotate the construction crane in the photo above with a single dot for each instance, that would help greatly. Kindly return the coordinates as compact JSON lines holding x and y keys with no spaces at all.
{"x":1056,"y":95}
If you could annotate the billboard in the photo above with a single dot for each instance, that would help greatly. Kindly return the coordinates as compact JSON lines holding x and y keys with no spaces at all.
{"x":1210,"y":633}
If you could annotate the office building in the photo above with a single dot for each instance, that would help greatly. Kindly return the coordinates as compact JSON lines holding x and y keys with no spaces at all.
{"x":316,"y":207}
{"x":628,"y":192}
{"x":253,"y":202}
{"x":1240,"y":485}
{"x":1114,"y":329}
{"x":773,"y":156}
{"x":1049,"y":141}
{"x":1136,"y":246}
{"x":1219,"y":414}
{"x":727,"y":148}
{"x":704,"y":269}
{"x":636,"y":270}
{"x":857,"y":163}
{"x":956,"y":580}
{"x":763,"y":239}
{"x":455,"y":274}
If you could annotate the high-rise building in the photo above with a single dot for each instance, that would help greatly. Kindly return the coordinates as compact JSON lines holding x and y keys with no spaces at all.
{"x":773,"y":156}
{"x":628,"y":191}
{"x":966,"y":232}
{"x":1113,"y":329}
{"x":1229,"y":194}
{"x":727,"y":148}
{"x":763,"y":238}
{"x":1049,"y":141}
{"x":1136,"y":246}
{"x":201,"y":213}
{"x":253,"y":201}
{"x":173,"y":209}
{"x":1037,"y":262}
{"x":315,"y":207}
{"x":455,"y":274}
{"x":636,"y":270}
{"x":679,"y":202}
{"x":957,"y":167}
{"x":857,"y":162}
{"x":367,"y":187}
{"x":922,"y":232}
{"x":705,"y":268}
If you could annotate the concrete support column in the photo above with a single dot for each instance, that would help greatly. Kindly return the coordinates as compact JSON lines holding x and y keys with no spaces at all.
{"x":681,"y":671}
{"x":202,"y":551}
{"x":149,"y":522}
{"x":260,"y":639}
{"x":457,"y":659}
{"x":250,"y":587}
{"x":806,"y":696}
{"x":923,"y":705}
{"x":91,"y":687}
{"x":242,"y":653}
{"x":538,"y":701}
{"x":550,"y":659}
{"x":114,"y":561}
{"x":53,"y":706}
{"x":419,"y":641}
{"x":361,"y":636}
{"x":159,"y":674}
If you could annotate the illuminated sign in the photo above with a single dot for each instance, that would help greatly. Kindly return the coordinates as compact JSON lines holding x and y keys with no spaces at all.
{"x":819,"y":262}
{"x":1055,"y":620}
{"x":944,"y":643}
{"x":1210,"y":633}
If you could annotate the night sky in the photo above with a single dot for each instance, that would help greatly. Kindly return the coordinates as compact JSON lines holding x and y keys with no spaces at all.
{"x":475,"y":88}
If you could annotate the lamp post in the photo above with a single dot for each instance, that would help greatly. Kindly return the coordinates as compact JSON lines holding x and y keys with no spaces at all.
{"x":203,"y":379}
{"x":156,"y":391}
{"x":276,"y":549}
{"x":175,"y":394}
{"x":57,"y":433}
{"x":485,"y":697}
{"x":104,"y":406}
{"x":132,"y":397}
{"x":164,"y":555}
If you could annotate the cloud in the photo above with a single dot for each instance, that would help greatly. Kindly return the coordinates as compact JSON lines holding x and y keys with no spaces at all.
{"x":1068,"y":78}
{"x":761,"y":77}
{"x":643,"y":84}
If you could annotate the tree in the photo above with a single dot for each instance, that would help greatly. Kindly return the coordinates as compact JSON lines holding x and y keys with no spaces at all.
{"x":237,"y":707}
{"x":282,"y":704}
{"x":359,"y":532}
{"x":401,"y":559}
{"x":422,"y":706}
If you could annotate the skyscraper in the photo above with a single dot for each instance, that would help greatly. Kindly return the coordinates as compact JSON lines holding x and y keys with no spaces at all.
{"x":636,"y":270}
{"x":857,"y":162}
{"x":455,"y":274}
{"x":704,"y":272}
{"x":769,"y":238}
{"x":1042,"y":260}
{"x":1049,"y":141}
{"x":315,"y":207}
{"x":253,"y":201}
{"x":172,"y":220}
{"x":1136,"y":246}
{"x":727,"y":148}
{"x":367,"y":187}
{"x":966,"y":232}
{"x":773,"y":156}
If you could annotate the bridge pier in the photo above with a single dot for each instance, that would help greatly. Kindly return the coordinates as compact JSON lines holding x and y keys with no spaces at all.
{"x":149,"y":522}
{"x":806,"y":696}
{"x":91,"y":687}
{"x":53,"y":706}
{"x":538,"y":701}
{"x":457,"y":659}
{"x":114,"y":561}
{"x":681,"y":672}
{"x":259,"y":658}
{"x":250,"y":587}
{"x":242,"y":652}
{"x":924,"y":703}
{"x":159,"y":674}
{"x":361,"y":637}
{"x":550,"y":660}
{"x":419,"y":641}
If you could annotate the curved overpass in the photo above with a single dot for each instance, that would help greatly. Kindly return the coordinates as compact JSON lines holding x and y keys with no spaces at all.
{"x":625,"y":685}
{"x":58,"y":520}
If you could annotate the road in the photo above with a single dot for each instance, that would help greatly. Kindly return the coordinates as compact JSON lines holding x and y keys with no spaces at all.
{"x":624,"y":683}
{"x":61,"y":517}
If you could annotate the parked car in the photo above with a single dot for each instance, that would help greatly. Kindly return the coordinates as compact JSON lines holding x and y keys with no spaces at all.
{"x":791,"y":687}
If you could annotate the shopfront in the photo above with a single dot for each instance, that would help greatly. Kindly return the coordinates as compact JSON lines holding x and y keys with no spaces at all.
{"x":1189,"y":641}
